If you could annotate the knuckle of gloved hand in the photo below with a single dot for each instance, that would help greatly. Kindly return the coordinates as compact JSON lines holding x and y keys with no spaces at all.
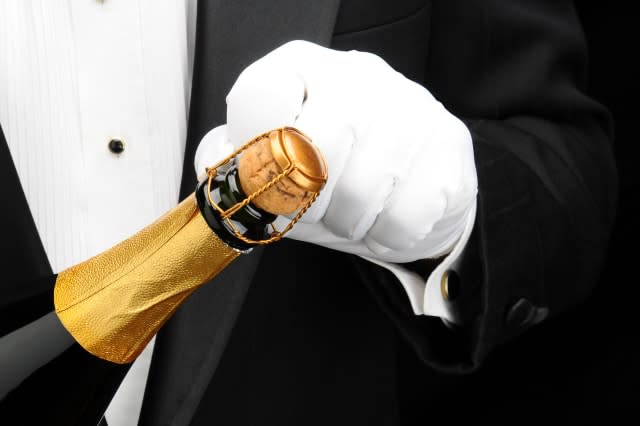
{"x":334,"y":222}
{"x":345,"y":213}
{"x":254,"y":75}
{"x":457,"y":132}
{"x":370,"y":61}
{"x":395,"y":232}
{"x":459,"y":198}
{"x":294,"y":47}
{"x":265,"y":96}
{"x":462,"y":186}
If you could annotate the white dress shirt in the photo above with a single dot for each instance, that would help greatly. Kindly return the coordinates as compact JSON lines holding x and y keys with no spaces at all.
{"x":73,"y":76}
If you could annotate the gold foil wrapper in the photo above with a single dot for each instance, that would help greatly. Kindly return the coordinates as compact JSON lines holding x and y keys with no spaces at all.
{"x":115,"y":302}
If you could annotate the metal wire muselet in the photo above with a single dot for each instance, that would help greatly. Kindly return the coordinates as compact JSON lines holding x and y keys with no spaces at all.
{"x":225,"y":215}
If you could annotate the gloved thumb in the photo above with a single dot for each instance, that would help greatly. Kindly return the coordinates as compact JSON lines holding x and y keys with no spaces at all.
{"x":214,"y":147}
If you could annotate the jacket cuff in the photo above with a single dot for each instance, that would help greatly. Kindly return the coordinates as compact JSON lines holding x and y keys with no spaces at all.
{"x":433,"y":289}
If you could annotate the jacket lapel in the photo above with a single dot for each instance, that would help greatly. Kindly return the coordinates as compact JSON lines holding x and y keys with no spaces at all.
{"x":230,"y":35}
{"x":25,"y":289}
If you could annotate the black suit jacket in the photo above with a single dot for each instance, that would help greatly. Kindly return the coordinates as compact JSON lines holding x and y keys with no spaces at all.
{"x":341,"y":345}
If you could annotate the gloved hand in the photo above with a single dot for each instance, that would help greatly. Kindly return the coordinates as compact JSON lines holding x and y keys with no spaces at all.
{"x":402,"y":180}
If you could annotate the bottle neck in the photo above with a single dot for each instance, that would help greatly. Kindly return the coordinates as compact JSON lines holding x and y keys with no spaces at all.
{"x":226,"y":192}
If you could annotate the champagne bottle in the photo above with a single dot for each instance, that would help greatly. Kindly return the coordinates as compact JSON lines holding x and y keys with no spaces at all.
{"x":115,"y":302}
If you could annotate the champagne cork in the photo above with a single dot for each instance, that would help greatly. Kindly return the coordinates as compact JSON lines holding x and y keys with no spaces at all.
{"x":277,"y":151}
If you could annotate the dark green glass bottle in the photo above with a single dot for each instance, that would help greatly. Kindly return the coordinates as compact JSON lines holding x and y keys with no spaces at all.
{"x":251,"y":221}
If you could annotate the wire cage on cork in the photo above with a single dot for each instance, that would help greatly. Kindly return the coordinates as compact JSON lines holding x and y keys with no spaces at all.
{"x":297,"y":162}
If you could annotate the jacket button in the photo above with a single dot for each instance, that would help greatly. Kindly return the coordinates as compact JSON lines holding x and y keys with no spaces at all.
{"x":521,"y":313}
{"x":450,"y":285}
{"x":116,"y":146}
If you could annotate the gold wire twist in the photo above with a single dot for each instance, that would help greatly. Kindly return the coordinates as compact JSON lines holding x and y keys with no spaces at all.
{"x":226,"y":214}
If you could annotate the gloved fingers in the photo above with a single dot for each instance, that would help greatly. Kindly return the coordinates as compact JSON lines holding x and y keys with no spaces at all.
{"x":437,"y":242}
{"x":293,"y":86}
{"x":270,"y":93}
{"x":374,"y":167}
{"x":417,"y":202}
{"x":213,"y":148}
{"x":442,"y":238}
{"x":408,"y":218}
{"x":335,"y":140}
{"x":319,"y":234}
{"x":339,"y":106}
{"x":433,"y":200}
{"x":266,"y":95}
{"x":459,"y":179}
{"x":315,"y":233}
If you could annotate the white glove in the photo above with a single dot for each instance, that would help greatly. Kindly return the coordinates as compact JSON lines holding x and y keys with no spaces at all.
{"x":402,"y":179}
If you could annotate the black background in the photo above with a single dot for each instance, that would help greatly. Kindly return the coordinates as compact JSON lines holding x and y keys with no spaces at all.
{"x":612,"y":311}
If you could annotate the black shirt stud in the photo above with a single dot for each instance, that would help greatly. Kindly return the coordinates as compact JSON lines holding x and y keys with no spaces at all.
{"x":116,"y":146}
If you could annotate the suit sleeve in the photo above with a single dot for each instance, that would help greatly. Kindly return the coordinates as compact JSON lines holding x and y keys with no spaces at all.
{"x":515,"y":72}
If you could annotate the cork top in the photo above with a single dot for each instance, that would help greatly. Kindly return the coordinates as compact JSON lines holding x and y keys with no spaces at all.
{"x":270,"y":156}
